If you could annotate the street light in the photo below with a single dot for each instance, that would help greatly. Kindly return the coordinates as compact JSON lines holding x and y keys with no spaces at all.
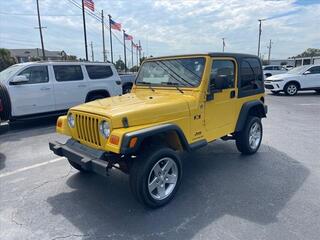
{"x":260,"y":21}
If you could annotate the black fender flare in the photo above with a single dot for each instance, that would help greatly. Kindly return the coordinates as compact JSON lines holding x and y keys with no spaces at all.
{"x":151,"y":131}
{"x":97,"y":91}
{"x":255,"y":107}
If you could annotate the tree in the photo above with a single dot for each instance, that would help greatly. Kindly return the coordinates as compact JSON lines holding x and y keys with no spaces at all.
{"x":120,"y":65}
{"x":134,"y":69}
{"x":310,"y":52}
{"x":5,"y":59}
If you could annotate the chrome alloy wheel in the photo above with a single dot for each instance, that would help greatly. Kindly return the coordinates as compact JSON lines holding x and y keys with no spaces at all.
{"x":163,"y":178}
{"x":255,"y":135}
{"x":292,"y":89}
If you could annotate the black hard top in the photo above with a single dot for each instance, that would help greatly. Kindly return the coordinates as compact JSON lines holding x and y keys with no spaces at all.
{"x":212,"y":54}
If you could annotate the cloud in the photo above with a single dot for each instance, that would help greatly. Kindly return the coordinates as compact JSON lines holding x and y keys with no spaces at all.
{"x":173,"y":26}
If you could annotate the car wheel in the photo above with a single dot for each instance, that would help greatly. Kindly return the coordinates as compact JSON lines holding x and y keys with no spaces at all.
{"x":5,"y":111}
{"x":126,"y":89}
{"x":95,"y":97}
{"x":291,"y":89}
{"x":249,"y":139}
{"x":77,"y":166}
{"x":155,"y":176}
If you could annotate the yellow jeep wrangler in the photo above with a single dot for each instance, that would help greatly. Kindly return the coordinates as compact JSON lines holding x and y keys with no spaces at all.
{"x":178,"y":103}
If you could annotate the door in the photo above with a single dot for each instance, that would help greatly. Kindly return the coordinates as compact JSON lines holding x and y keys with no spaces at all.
{"x":311,"y":78}
{"x":220,"y":111}
{"x":35,"y":95}
{"x":70,"y":86}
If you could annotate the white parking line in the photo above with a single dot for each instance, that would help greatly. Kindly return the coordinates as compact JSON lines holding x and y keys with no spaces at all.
{"x":309,"y":104}
{"x":31,"y":167}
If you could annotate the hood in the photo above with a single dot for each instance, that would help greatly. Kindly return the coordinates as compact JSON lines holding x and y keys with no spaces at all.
{"x":282,"y":76}
{"x":140,"y":108}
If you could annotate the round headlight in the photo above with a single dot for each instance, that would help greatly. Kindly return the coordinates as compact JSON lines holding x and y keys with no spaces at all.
{"x":71,"y":120}
{"x":104,"y":128}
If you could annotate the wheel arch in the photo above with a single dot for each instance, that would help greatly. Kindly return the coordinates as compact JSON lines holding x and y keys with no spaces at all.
{"x":253,"y":108}
{"x":293,"y":81}
{"x":170,"y":134}
{"x":103,"y":92}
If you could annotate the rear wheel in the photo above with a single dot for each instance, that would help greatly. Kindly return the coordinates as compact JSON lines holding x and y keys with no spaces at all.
{"x":5,"y":107}
{"x":249,"y":139}
{"x":155,"y":176}
{"x":291,"y":89}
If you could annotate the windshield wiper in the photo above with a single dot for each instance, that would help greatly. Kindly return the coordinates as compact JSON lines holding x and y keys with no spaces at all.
{"x":147,"y":83}
{"x":172,"y":84}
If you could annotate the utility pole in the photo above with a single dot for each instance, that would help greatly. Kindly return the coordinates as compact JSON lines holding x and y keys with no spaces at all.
{"x":40,"y":29}
{"x":103,"y":42}
{"x":110,"y":32}
{"x":124,"y":50}
{"x":270,"y":43}
{"x":84,"y":30}
{"x":260,"y":30}
{"x":92,"y":54}
{"x":132,"y":52}
{"x":139,"y":53}
{"x":223,"y":44}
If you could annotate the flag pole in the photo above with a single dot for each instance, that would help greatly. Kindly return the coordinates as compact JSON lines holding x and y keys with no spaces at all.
{"x":132,"y":52}
{"x":139,"y":53}
{"x":137,"y":56}
{"x":124,"y":50}
{"x":103,"y":42}
{"x":84,"y":30}
{"x":110,"y":32}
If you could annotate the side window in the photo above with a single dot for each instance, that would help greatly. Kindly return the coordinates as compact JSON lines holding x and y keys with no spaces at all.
{"x":268,"y":68}
{"x":314,"y":70}
{"x":251,"y":75}
{"x":223,"y":69}
{"x":65,"y":73}
{"x":38,"y":74}
{"x":99,"y":71}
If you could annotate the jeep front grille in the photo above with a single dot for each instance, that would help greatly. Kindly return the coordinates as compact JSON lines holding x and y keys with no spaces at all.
{"x":88,"y":129}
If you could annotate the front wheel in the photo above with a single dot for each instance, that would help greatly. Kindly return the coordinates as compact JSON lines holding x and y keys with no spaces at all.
{"x":291,"y":89}
{"x":155,"y":176}
{"x":249,"y":139}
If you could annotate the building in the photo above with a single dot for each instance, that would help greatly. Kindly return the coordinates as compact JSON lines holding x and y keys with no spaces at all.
{"x":27,"y":55}
{"x":296,"y":62}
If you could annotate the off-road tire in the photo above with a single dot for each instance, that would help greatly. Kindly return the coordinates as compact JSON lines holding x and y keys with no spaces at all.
{"x":5,"y":114}
{"x":288,"y":89}
{"x":140,"y":170}
{"x":242,"y":138}
{"x":77,"y":166}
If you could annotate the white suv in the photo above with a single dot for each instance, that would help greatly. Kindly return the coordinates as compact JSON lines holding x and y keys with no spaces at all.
{"x":271,"y":70}
{"x":51,"y":87}
{"x":297,"y":79}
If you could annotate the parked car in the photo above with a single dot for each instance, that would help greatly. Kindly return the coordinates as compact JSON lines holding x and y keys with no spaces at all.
{"x":127,"y":81}
{"x":43,"y":88}
{"x":298,"y":79}
{"x":270,"y":70}
{"x":178,"y":103}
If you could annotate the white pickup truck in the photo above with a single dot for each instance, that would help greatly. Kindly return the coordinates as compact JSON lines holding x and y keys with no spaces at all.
{"x":45,"y":88}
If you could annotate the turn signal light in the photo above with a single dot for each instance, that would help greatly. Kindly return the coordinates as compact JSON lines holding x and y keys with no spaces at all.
{"x":133,"y":142}
{"x":114,"y":139}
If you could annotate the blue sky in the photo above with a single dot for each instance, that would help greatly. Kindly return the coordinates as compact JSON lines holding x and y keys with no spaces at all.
{"x":167,"y":27}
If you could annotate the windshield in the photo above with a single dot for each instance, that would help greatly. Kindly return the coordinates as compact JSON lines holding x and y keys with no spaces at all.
{"x":186,"y":72}
{"x":298,"y":70}
{"x":8,"y":72}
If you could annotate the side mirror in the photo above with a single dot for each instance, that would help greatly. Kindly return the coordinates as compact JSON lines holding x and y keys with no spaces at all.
{"x":306,"y":72}
{"x":19,"y":79}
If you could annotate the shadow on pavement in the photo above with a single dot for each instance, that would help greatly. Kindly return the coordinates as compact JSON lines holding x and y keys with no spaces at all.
{"x":299,"y":94}
{"x":217,"y":181}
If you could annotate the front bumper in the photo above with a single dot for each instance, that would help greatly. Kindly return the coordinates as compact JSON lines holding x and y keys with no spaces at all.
{"x":275,"y":86}
{"x":88,"y":158}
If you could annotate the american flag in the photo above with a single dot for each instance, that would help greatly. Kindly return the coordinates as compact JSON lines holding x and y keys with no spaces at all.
{"x":128,"y":37}
{"x":115,"y":25}
{"x":135,"y":45}
{"x":89,"y":4}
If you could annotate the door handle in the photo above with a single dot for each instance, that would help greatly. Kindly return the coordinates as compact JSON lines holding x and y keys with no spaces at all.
{"x":82,"y":85}
{"x":232,"y":94}
{"x":45,"y":89}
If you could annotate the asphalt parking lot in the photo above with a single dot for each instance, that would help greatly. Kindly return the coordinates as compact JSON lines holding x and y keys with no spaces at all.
{"x":274,"y":194}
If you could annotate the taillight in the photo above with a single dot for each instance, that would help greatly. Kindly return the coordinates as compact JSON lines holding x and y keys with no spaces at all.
{"x":1,"y":106}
